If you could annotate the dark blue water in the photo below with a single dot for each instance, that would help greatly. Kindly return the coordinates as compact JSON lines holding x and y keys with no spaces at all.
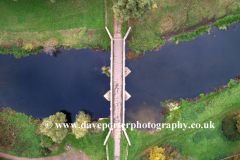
{"x":41,"y":85}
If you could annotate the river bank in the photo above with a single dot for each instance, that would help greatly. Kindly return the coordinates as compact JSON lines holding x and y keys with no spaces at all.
{"x":171,"y":105}
{"x":174,"y":17}
{"x":210,"y":143}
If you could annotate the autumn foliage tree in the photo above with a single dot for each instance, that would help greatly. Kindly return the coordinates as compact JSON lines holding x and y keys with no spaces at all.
{"x":49,"y":129}
{"x":80,"y":130}
{"x":157,"y":153}
{"x":125,"y":9}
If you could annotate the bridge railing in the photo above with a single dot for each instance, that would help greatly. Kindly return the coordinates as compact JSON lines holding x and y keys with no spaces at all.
{"x":124,"y":58}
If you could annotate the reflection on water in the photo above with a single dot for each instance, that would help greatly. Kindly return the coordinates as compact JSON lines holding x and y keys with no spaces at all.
{"x":144,"y":113}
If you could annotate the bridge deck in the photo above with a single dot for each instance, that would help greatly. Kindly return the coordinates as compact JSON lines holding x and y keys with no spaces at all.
{"x":117,"y":86}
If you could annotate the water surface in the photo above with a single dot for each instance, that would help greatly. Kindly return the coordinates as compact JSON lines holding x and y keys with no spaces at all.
{"x":41,"y":85}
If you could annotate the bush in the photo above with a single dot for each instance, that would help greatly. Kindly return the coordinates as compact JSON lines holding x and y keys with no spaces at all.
{"x":203,"y":96}
{"x":231,"y":83}
{"x":19,"y":52}
{"x":229,"y":128}
{"x":223,"y":23}
{"x":44,"y":151}
{"x":45,"y":140}
{"x":238,"y":121}
{"x":157,"y":153}
{"x":191,"y":35}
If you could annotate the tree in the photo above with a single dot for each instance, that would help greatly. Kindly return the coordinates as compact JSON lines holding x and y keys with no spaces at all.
{"x":49,"y":129}
{"x":125,"y":9}
{"x":80,"y":130}
{"x":157,"y":153}
{"x":229,"y":127}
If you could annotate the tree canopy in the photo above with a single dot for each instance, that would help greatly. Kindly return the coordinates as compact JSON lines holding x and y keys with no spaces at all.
{"x":80,"y":131}
{"x":125,"y":9}
{"x":157,"y":153}
{"x":49,"y":129}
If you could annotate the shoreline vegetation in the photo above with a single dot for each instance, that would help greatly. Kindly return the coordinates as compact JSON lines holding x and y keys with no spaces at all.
{"x":218,"y":106}
{"x":39,"y":29}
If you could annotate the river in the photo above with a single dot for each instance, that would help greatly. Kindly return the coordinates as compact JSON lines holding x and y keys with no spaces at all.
{"x":41,"y":85}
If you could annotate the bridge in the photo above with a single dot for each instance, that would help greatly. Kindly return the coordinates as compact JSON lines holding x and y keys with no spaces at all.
{"x":117,"y":94}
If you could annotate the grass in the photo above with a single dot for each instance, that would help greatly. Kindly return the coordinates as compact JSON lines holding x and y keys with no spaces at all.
{"x":173,"y":17}
{"x":75,"y":23}
{"x":25,"y":141}
{"x":42,"y":15}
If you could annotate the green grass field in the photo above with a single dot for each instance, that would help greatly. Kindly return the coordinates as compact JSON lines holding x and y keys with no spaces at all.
{"x":75,"y":23}
{"x":42,"y":15}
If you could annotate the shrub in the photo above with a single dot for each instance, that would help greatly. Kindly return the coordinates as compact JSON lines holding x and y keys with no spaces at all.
{"x":238,"y":121}
{"x":157,"y":153}
{"x":229,"y":128}
{"x":28,"y":47}
{"x":95,"y":129}
{"x":44,"y":151}
{"x":184,"y":103}
{"x":45,"y":140}
{"x":105,"y":70}
{"x":231,"y":83}
{"x":191,"y":35}
{"x":223,"y":23}
{"x":19,"y":52}
{"x":203,"y":96}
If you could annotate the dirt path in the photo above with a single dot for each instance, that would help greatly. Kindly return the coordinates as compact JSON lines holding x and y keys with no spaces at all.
{"x":71,"y":155}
